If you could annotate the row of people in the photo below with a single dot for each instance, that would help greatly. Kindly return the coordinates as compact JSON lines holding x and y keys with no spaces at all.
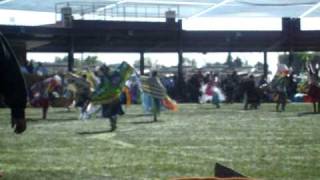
{"x":17,"y":103}
{"x":29,"y":67}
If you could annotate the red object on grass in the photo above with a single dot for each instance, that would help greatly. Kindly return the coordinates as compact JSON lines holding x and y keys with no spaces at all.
{"x":307,"y":99}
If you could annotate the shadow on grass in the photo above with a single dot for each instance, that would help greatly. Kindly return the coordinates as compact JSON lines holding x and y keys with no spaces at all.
{"x":307,"y":113}
{"x":137,"y":115}
{"x":94,"y":132}
{"x":146,"y":122}
{"x":51,"y":119}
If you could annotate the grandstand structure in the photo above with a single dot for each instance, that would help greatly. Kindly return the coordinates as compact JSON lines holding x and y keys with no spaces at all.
{"x":156,"y":26}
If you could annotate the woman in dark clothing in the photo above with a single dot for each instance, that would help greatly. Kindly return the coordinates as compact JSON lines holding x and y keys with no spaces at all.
{"x":281,"y":86}
{"x":314,"y":88}
{"x":12,"y":86}
{"x":111,"y":111}
{"x":250,"y":93}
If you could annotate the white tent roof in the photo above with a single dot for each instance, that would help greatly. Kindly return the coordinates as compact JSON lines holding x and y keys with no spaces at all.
{"x":183,"y":8}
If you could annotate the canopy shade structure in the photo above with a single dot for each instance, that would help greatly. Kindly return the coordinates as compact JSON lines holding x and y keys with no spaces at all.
{"x":116,"y":36}
{"x":183,"y":8}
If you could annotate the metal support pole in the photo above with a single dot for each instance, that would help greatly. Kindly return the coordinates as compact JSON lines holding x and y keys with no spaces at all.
{"x":265,"y":64}
{"x":82,"y":13}
{"x":104,"y":13}
{"x":124,"y":13}
{"x":180,"y":62}
{"x":180,"y":79}
{"x":93,"y":10}
{"x":56,"y":12}
{"x":70,"y":55}
{"x":290,"y":58}
{"x":117,"y":11}
{"x":145,"y":12}
{"x":180,"y":66}
{"x":141,"y":63}
{"x":136,"y":10}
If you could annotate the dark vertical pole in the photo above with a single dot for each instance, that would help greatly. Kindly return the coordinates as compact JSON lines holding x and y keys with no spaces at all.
{"x":290,"y":58}
{"x":290,"y":28}
{"x":70,"y":55}
{"x":141,"y":63}
{"x":180,"y":66}
{"x":82,"y":13}
{"x":265,"y":64}
{"x":180,"y":84}
{"x":56,"y":13}
{"x":180,"y":61}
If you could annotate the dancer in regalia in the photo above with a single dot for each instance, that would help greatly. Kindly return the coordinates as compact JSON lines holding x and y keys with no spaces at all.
{"x":83,"y":99}
{"x":155,"y":95}
{"x":217,"y":95}
{"x":280,"y":84}
{"x":109,"y":90}
{"x":211,"y":92}
{"x":45,"y":91}
{"x":314,"y":85}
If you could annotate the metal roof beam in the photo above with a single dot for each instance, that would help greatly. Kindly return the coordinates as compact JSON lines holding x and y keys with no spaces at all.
{"x":111,"y":5}
{"x":310,"y":10}
{"x":5,"y":1}
{"x":211,"y":8}
{"x":171,"y":2}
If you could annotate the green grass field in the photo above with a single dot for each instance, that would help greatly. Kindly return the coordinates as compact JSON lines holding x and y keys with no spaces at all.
{"x":261,"y":144}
